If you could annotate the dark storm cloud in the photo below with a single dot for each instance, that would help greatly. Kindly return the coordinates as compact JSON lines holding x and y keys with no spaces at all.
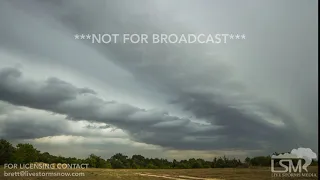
{"x":51,"y":93}
{"x":232,"y":128}
{"x":20,"y":127}
{"x":185,"y":75}
{"x":23,"y":125}
{"x":176,"y":71}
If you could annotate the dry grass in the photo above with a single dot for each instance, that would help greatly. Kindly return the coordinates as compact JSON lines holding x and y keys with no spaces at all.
{"x":162,"y":174}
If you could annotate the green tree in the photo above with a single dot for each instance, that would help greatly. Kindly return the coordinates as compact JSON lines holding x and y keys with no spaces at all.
{"x":119,"y":161}
{"x":26,"y":153}
{"x":45,"y":157}
{"x":95,"y":161}
{"x":247,"y":160}
{"x":6,"y":152}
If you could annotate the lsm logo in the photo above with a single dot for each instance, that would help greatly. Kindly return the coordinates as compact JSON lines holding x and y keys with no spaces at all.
{"x":293,"y":164}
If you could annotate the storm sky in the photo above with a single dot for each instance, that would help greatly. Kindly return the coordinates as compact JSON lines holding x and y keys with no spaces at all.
{"x":71,"y":97}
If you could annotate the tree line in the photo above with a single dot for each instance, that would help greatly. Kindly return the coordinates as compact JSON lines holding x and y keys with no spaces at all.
{"x":26,"y":153}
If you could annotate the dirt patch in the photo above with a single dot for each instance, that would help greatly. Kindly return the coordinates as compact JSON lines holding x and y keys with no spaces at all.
{"x":159,"y":176}
{"x":176,"y":178}
{"x":198,"y":178}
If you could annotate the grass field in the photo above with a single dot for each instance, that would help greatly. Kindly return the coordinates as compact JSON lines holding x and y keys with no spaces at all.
{"x":162,"y":174}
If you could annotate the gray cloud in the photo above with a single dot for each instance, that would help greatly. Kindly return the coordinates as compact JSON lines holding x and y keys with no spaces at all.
{"x":21,"y":123}
{"x":230,"y":127}
{"x":239,"y":92}
{"x":19,"y":127}
{"x":52,"y":92}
